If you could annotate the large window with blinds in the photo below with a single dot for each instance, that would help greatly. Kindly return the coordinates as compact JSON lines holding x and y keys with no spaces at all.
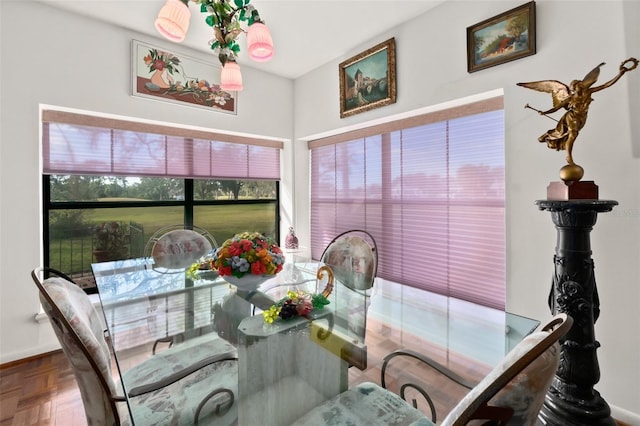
{"x":135,"y":178}
{"x":430,"y":189}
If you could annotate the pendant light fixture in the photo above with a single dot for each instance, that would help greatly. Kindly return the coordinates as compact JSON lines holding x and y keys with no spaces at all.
{"x":230,"y":77}
{"x":259,"y":42}
{"x":173,"y":20}
{"x":225,"y":18}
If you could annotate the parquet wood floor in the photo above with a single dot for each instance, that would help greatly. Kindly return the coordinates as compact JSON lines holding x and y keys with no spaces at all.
{"x":43,"y":390}
{"x":40,"y":391}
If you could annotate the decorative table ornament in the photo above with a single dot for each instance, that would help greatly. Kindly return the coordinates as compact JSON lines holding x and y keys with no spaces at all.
{"x":291,"y":272}
{"x":291,"y":241}
{"x":299,"y":302}
{"x":247,"y":260}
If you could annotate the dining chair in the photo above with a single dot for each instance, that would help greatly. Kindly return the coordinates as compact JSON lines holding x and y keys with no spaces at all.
{"x":511,"y":394}
{"x":353,"y":257}
{"x":174,"y":248}
{"x":194,"y":382}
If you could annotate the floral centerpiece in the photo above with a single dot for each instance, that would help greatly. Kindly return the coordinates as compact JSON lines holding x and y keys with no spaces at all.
{"x":296,"y":303}
{"x":246,"y":254}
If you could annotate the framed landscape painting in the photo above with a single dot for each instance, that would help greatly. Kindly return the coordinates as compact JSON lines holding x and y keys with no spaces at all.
{"x":368,"y":80}
{"x":173,"y":77}
{"x":503,"y":38}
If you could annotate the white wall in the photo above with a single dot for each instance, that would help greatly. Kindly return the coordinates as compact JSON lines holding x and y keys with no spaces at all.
{"x":573,"y":37}
{"x":56,"y":58}
{"x":631,"y":12}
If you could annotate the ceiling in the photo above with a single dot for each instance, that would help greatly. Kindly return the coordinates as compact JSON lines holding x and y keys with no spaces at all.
{"x":306,"y":33}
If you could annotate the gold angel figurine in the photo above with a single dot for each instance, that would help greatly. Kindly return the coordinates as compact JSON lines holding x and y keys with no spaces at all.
{"x":575,"y":98}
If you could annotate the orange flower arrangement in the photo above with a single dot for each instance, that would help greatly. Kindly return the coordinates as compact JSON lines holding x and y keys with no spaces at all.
{"x":248,"y":253}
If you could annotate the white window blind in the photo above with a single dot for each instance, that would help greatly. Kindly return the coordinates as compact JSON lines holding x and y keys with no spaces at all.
{"x":89,"y":145}
{"x":431,"y":192}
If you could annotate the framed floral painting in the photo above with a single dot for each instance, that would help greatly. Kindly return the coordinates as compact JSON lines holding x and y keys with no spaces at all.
{"x":368,"y":80}
{"x":169,"y":76}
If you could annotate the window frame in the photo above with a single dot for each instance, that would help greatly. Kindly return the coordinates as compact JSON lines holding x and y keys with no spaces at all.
{"x":189,"y":203}
{"x":186,"y":136}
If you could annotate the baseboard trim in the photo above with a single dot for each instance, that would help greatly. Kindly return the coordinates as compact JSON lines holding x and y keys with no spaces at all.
{"x":16,"y":362}
{"x":624,"y":416}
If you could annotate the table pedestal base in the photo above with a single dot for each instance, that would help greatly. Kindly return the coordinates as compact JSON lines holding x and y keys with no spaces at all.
{"x":283,"y":373}
{"x":572,"y":399}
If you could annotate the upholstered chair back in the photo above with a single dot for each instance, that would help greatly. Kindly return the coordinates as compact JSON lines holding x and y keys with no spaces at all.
{"x":174,"y":248}
{"x":524,"y":392}
{"x":78,"y":327}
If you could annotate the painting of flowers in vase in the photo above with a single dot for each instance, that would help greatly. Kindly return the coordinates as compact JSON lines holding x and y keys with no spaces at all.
{"x":164,"y":75}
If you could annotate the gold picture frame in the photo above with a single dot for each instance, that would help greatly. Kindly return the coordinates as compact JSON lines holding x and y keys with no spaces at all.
{"x":368,"y":80}
{"x":505,"y":37}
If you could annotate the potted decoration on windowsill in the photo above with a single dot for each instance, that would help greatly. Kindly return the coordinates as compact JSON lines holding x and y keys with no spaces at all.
{"x":110,"y":241}
{"x":247,"y":260}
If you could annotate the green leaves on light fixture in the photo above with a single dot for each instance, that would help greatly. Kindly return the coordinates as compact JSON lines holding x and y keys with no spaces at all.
{"x":225,"y":19}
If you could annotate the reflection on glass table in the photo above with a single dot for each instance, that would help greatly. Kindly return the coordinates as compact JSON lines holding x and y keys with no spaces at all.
{"x":147,"y":311}
{"x":463,"y":337}
{"x":287,"y":367}
{"x":290,"y":272}
{"x":347,"y":308}
{"x":455,"y":326}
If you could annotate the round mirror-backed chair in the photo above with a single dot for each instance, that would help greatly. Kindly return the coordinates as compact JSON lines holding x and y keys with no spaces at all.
{"x":353,"y":257}
{"x":174,"y":248}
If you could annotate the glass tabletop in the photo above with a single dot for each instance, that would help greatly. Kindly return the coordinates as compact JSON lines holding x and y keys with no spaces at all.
{"x":156,"y":316}
{"x":285,"y":368}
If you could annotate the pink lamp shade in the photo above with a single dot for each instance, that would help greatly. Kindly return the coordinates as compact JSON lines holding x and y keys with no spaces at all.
{"x":230,"y":77}
{"x":259,"y":42}
{"x":173,"y":20}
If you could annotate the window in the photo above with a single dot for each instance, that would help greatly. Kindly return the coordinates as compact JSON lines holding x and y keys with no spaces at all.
{"x":98,"y":170}
{"x":430,"y":189}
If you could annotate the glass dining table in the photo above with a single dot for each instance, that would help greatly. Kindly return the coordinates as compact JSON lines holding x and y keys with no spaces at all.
{"x":303,"y":359}
{"x":289,"y":366}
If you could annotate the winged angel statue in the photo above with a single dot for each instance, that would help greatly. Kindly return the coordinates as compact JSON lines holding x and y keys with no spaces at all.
{"x":576,"y":99}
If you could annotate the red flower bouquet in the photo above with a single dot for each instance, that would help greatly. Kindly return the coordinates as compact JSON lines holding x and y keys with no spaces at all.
{"x":248,"y":253}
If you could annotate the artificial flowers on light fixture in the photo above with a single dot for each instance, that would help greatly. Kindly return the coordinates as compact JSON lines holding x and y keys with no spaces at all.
{"x":224,"y":17}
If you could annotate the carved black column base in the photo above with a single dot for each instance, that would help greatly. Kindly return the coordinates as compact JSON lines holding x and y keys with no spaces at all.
{"x":572,"y":400}
{"x":563,"y":409}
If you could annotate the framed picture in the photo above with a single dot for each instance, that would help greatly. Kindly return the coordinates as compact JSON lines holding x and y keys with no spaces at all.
{"x":368,"y":80}
{"x":503,"y":38}
{"x":168,"y":76}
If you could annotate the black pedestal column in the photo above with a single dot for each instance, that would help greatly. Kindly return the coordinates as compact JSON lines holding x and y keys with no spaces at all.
{"x":572,"y":400}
